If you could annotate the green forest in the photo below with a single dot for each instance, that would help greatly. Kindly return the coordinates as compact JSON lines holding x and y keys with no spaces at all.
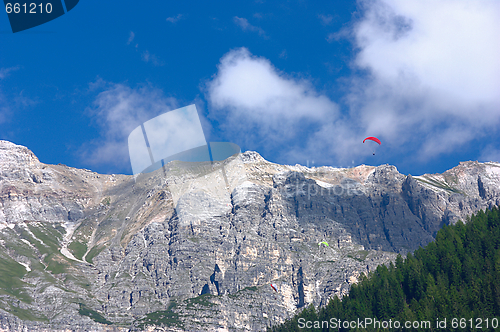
{"x":453,"y":284}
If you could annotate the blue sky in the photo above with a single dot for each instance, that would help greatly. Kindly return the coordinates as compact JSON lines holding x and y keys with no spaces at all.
{"x":297,"y":81}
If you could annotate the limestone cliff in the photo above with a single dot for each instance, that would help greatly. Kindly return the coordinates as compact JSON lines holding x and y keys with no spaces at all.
{"x":195,"y":248}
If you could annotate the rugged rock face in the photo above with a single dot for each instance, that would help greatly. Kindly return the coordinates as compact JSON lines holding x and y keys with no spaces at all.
{"x":195,"y":248}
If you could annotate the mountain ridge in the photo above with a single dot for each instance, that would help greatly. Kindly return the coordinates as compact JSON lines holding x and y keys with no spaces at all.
{"x":187,"y":250}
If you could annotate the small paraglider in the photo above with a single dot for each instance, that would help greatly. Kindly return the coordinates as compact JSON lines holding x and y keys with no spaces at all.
{"x":274,"y":287}
{"x":322,"y":243}
{"x":376,"y":140}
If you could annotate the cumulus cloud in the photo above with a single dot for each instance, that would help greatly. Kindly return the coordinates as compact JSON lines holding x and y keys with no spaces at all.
{"x":421,"y":69}
{"x":154,"y":59}
{"x":117,"y":111}
{"x":490,"y":153}
{"x":98,"y":84}
{"x":131,"y":37}
{"x":432,"y":71}
{"x":146,"y":56}
{"x":4,"y":72}
{"x":336,"y":36}
{"x":262,"y":107}
{"x":325,"y":19}
{"x":246,"y":26}
{"x":174,"y":19}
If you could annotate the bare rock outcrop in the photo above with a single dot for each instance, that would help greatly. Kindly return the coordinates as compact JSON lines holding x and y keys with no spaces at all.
{"x":191,"y":249}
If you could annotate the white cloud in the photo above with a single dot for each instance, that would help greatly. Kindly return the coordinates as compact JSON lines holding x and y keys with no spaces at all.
{"x":146,"y":56}
{"x":433,"y":71}
{"x":325,"y":19}
{"x":174,"y":19}
{"x":262,"y":107}
{"x":130,"y":38}
{"x":490,"y":153}
{"x":99,"y":83}
{"x":426,"y":76}
{"x":4,"y":72}
{"x":336,"y":36}
{"x":246,"y":26}
{"x":154,"y":59}
{"x":117,"y":111}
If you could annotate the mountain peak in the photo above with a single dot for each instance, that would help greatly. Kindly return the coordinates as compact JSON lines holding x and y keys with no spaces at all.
{"x":13,"y":155}
{"x":252,"y":157}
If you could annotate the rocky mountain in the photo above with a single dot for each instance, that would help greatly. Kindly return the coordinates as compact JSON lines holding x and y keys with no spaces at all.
{"x":195,"y":247}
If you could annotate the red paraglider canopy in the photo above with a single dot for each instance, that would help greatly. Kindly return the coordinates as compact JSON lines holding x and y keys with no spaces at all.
{"x":274,"y":287}
{"x":372,"y":139}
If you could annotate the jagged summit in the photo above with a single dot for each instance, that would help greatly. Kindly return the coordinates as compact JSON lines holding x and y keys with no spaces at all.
{"x":252,"y":156}
{"x":11,"y":153}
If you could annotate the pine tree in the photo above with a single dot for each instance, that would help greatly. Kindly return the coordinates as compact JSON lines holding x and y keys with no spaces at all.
{"x":457,"y":275}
